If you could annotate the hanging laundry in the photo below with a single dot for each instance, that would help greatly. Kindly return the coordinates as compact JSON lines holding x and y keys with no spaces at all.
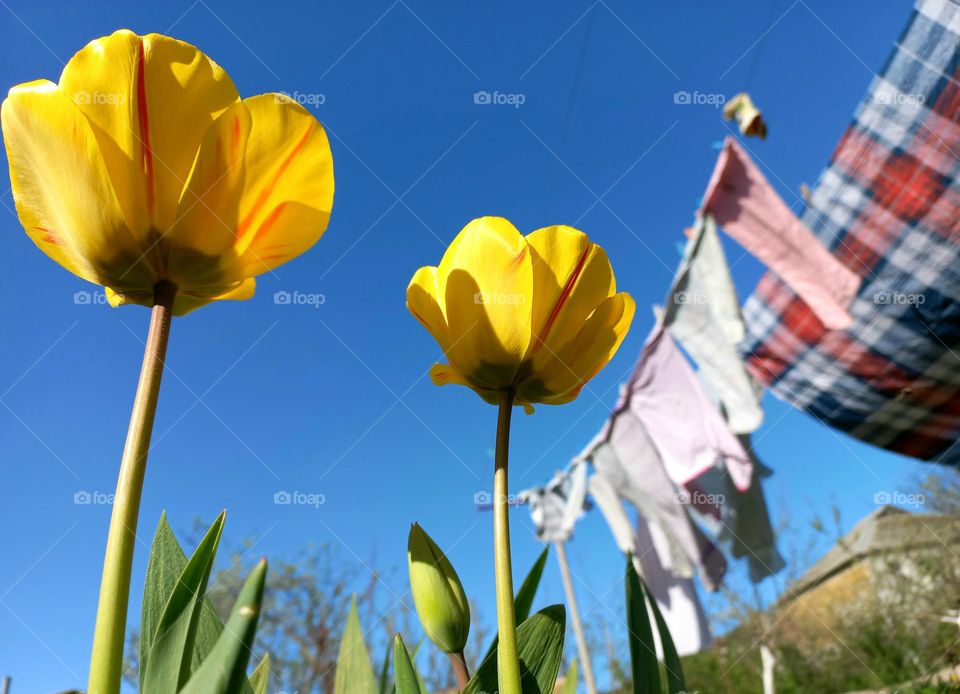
{"x":887,"y":204}
{"x":652,"y":550}
{"x":686,"y":428}
{"x":742,"y":202}
{"x":628,"y":468}
{"x":747,"y":116}
{"x":738,"y":519}
{"x":703,"y":314}
{"x":555,"y":508}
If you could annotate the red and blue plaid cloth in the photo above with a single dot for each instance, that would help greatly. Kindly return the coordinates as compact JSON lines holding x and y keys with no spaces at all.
{"x":888,"y":206}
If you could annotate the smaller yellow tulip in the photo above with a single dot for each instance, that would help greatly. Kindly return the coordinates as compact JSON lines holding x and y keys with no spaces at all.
{"x":538,"y":314}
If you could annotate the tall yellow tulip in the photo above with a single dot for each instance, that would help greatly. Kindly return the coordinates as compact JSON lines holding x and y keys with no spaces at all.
{"x":143,"y":165}
{"x":144,"y":171}
{"x":521,"y":320}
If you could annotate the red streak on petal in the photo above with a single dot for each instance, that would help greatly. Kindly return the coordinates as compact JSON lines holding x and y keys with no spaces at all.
{"x":244,"y":227}
{"x":143,"y":120}
{"x":564,"y":295}
{"x":48,"y":236}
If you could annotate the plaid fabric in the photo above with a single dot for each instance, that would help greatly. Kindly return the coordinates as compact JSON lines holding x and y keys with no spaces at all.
{"x":888,"y":206}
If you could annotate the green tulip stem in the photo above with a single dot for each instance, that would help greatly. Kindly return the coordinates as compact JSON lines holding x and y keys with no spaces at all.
{"x":106,"y":659}
{"x":508,"y":662}
{"x":458,"y":663}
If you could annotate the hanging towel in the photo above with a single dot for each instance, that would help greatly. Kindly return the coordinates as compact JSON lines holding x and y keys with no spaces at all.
{"x":676,"y":597}
{"x":887,"y":204}
{"x":738,"y":519}
{"x":555,"y":508}
{"x":628,"y":468}
{"x":703,"y":315}
{"x":750,"y":210}
{"x":652,"y":550}
{"x":687,"y":430}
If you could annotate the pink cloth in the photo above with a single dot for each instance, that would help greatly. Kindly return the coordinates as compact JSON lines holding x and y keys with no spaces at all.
{"x":687,"y":429}
{"x":749,"y":209}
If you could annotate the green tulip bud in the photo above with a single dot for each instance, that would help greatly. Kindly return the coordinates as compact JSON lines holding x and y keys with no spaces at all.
{"x":441,"y":603}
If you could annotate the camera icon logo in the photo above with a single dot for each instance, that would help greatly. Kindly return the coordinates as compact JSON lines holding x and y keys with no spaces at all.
{"x":281,"y":297}
{"x":681,"y":97}
{"x":482,"y":499}
{"x":82,"y":498}
{"x":282,"y":498}
{"x":482,"y":97}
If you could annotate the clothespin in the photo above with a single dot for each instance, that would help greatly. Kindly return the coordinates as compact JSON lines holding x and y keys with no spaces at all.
{"x":748,"y":117}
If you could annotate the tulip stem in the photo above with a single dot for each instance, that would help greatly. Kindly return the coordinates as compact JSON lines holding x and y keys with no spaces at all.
{"x":459,"y":665}
{"x":508,"y":662}
{"x":106,"y":660}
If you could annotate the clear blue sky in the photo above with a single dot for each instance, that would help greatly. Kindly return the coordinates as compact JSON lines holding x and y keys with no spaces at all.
{"x":333,"y":399}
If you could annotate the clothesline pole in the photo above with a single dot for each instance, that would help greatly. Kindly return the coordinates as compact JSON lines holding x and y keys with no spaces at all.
{"x":582,"y":650}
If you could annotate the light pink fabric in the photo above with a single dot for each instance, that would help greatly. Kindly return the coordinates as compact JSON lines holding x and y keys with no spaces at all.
{"x":750,"y":210}
{"x":687,"y":429}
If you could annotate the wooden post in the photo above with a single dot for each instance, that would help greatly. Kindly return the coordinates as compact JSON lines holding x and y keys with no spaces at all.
{"x":582,"y":650}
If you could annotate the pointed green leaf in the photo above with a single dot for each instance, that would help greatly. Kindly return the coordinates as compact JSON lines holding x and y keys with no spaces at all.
{"x":643,"y":650}
{"x":671,"y":660}
{"x":385,"y":687}
{"x":354,"y":671}
{"x":570,"y":681}
{"x":540,"y":647}
{"x":170,"y":657}
{"x":167,"y":562}
{"x":260,"y":677}
{"x":404,"y":675}
{"x":224,"y":669}
{"x":523,"y":601}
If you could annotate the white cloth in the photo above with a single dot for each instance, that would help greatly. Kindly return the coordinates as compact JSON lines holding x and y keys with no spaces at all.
{"x":676,"y":596}
{"x":628,"y":466}
{"x":703,"y":315}
{"x":555,"y":508}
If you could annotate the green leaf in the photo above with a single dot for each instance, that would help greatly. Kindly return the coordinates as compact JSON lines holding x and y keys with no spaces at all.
{"x":404,"y":674}
{"x":224,"y":669}
{"x":385,"y":687}
{"x":354,"y":671}
{"x":170,"y":657}
{"x":540,"y":647}
{"x":643,"y":650}
{"x":167,"y":562}
{"x":671,"y":660}
{"x":523,"y":601}
{"x":570,"y":681}
{"x":260,"y":677}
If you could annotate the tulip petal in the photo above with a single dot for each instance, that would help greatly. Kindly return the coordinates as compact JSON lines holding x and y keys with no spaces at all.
{"x":422,"y":302}
{"x":486,"y":279}
{"x":444,"y":374}
{"x":582,"y":358}
{"x":571,"y":276}
{"x":186,"y":301}
{"x":288,"y":192}
{"x":201,"y":244}
{"x":150,"y":100}
{"x":62,"y":191}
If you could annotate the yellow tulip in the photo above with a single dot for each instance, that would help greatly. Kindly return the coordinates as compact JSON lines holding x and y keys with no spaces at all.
{"x":143,"y":166}
{"x":538,"y":315}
